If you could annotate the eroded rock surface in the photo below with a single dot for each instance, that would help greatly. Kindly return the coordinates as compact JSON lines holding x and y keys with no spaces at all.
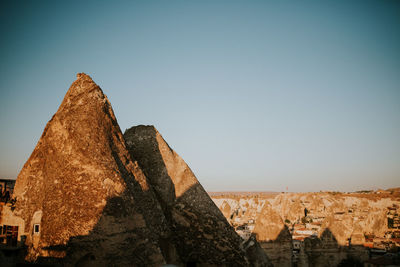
{"x":201,"y":233}
{"x":274,"y":236}
{"x":84,"y":200}
{"x":91,"y":201}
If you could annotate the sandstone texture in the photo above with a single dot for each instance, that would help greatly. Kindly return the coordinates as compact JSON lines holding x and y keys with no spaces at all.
{"x":269,"y":224}
{"x":86,"y":198}
{"x":91,"y":200}
{"x":201,"y":233}
{"x":274,"y":236}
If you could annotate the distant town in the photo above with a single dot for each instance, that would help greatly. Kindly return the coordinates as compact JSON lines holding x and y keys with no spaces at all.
{"x":307,"y":229}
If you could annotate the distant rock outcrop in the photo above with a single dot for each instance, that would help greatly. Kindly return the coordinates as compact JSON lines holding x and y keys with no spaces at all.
{"x":269,"y":224}
{"x":274,"y":236}
{"x":201,"y":233}
{"x":226,"y":209}
{"x":326,"y":227}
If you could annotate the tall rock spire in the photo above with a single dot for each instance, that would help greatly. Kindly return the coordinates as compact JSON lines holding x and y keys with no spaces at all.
{"x":83,"y":199}
{"x":82,"y":190}
{"x":201,"y":232}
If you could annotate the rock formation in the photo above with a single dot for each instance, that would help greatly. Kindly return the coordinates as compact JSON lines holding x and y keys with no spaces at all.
{"x":326,"y":227}
{"x":274,"y":236}
{"x":269,"y":224}
{"x":83,"y":191}
{"x":226,"y":209}
{"x":83,"y":199}
{"x":201,"y":233}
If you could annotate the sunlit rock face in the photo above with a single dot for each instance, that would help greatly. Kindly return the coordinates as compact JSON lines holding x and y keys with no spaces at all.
{"x":82,"y":199}
{"x":269,"y":224}
{"x":201,"y":233}
{"x":226,"y":209}
{"x":91,"y":202}
{"x":274,"y":236}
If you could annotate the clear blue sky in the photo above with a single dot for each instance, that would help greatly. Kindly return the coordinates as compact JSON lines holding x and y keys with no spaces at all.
{"x":254,"y":95}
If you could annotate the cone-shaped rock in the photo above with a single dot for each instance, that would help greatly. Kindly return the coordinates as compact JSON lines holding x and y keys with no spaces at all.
{"x":269,"y":224}
{"x":201,"y":232}
{"x":274,"y":236}
{"x":81,"y":196}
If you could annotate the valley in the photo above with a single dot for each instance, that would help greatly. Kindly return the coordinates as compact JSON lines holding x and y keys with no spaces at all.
{"x":311,"y":229}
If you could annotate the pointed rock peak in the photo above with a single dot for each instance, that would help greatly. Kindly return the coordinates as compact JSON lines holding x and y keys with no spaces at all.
{"x":141,"y":140}
{"x":83,"y":83}
{"x":83,"y":87}
{"x":82,"y":75}
{"x":80,"y":181}
{"x":198,"y":225}
{"x":144,"y":129}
